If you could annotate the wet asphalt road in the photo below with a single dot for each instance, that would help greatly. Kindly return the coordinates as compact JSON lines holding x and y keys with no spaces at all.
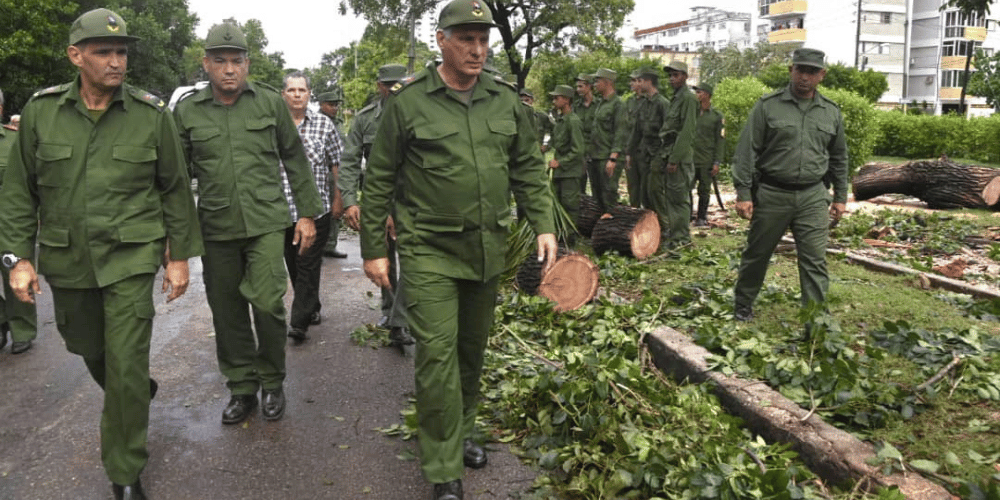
{"x":327,"y":446}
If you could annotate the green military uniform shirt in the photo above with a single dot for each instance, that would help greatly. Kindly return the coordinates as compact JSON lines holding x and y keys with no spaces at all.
{"x":357,"y":147}
{"x":678,"y":127}
{"x":102,"y":195}
{"x":543,"y":125}
{"x":567,"y":146}
{"x":7,"y":136}
{"x":645,"y":138}
{"x":795,"y":143}
{"x":708,"y":141}
{"x":586,"y":114}
{"x":459,"y":163}
{"x":234,"y":152}
{"x":608,"y":131}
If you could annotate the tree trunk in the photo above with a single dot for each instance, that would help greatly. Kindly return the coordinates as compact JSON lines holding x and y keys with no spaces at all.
{"x":633,"y":232}
{"x":571,"y":282}
{"x":588,"y":215}
{"x":939,"y":183}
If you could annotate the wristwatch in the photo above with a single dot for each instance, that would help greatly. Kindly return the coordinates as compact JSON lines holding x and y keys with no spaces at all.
{"x":10,"y":260}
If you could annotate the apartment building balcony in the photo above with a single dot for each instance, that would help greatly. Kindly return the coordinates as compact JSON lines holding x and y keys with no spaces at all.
{"x":787,"y":35}
{"x":950,"y":93}
{"x":975,"y":33}
{"x":783,"y":8}
{"x":953,"y":62}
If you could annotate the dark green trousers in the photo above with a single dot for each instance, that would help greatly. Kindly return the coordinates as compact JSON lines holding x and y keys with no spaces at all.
{"x":604,"y":188}
{"x":775,"y":210}
{"x":678,"y":199}
{"x":241,"y":276}
{"x":19,"y":315}
{"x":331,"y":241}
{"x":450,"y":320}
{"x":110,"y":328}
{"x":655,"y":192}
{"x":389,"y":294}
{"x":567,"y":192}
{"x":703,"y":177}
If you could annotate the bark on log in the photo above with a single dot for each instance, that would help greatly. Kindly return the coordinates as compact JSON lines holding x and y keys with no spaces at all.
{"x":571,"y":282}
{"x":633,"y":232}
{"x":939,"y":183}
{"x":589,"y":213}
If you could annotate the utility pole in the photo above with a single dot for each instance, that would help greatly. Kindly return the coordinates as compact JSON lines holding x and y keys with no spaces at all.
{"x":412,"y":55}
{"x":857,"y":38}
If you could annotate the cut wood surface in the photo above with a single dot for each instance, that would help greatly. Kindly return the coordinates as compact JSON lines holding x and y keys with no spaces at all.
{"x":633,"y":232}
{"x":588,"y":215}
{"x":571,"y":282}
{"x":940,"y":183}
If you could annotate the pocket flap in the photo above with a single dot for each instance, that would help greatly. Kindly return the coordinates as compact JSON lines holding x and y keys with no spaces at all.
{"x":504,"y":218}
{"x":204,"y":133}
{"x":268,"y":193}
{"x":134,"y":154}
{"x":53,"y":152}
{"x":212,"y":204}
{"x":439,"y":223}
{"x":141,"y":233}
{"x":260,"y":123}
{"x":434,"y":131}
{"x":52,"y":236}
{"x":505,"y":127}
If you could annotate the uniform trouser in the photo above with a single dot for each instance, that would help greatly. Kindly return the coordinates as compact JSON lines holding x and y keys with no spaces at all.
{"x":389,"y":294}
{"x":603,"y":187}
{"x":19,"y":315}
{"x":450,"y":319}
{"x":678,"y":198}
{"x":567,"y":192}
{"x":244,"y":275}
{"x":304,"y":272}
{"x":703,"y":178}
{"x":111,"y":327}
{"x":331,"y":239}
{"x":774,"y":211}
{"x":655,"y":197}
{"x":634,"y":178}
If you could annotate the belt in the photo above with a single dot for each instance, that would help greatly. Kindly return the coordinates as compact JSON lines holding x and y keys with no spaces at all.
{"x":771,"y":181}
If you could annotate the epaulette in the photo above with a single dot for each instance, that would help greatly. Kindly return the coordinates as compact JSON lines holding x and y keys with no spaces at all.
{"x":146,"y":97}
{"x":406,"y":81}
{"x":266,"y":86}
{"x":188,"y":93}
{"x":776,"y":93}
{"x":372,"y":105}
{"x":56,"y":89}
{"x":500,"y":79}
{"x":827,"y":99}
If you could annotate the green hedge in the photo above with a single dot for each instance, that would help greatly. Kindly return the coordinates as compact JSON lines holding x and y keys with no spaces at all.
{"x":926,"y":136}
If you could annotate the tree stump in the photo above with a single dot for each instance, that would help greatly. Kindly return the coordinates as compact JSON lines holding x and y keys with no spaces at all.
{"x":589,"y":213}
{"x":633,"y":232}
{"x":571,"y":282}
{"x":939,"y":183}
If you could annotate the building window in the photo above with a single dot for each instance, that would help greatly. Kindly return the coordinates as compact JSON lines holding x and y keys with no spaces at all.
{"x":952,"y":78}
{"x":951,"y":48}
{"x":684,"y":29}
{"x":672,"y":32}
{"x":874,"y":48}
{"x":885,"y":17}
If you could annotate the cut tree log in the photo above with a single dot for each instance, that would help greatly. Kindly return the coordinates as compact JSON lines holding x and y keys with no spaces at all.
{"x":588,"y":215}
{"x":633,"y":232}
{"x":940,"y":183}
{"x":571,"y":282}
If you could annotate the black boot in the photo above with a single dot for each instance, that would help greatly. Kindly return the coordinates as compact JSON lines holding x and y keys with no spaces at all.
{"x":702,"y":219}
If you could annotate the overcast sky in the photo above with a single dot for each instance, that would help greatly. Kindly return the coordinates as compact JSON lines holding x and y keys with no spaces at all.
{"x":304,"y":31}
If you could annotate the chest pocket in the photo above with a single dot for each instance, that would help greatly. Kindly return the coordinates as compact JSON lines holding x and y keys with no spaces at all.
{"x":502,"y":134}
{"x":202,"y":142}
{"x":431,"y":140}
{"x":783,"y":129}
{"x":49,"y":158}
{"x":262,"y":135}
{"x":134,"y":167}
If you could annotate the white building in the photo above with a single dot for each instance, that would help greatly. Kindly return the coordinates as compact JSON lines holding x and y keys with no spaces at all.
{"x":707,"y":27}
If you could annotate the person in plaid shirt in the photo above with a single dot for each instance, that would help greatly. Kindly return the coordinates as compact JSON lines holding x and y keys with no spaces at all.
{"x":323,"y":146}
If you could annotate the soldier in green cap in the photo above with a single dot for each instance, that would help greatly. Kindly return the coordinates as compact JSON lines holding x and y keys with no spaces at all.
{"x":632,"y":177}
{"x":584,"y":107}
{"x":645,"y":143}
{"x":567,"y":159}
{"x":237,"y":135}
{"x":674,"y":166}
{"x":17,"y":318}
{"x":329,"y":105}
{"x":543,"y":122}
{"x":606,"y":143}
{"x":358,"y":147}
{"x":709,"y":145}
{"x":791,"y":151}
{"x":97,"y":177}
{"x":453,"y":145}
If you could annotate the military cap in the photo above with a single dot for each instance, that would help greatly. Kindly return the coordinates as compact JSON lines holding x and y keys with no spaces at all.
{"x":563,"y":90}
{"x":649,"y":72}
{"x":676,"y":66}
{"x":606,"y":73}
{"x":808,"y":57}
{"x":226,"y":36}
{"x":585,"y":77}
{"x":525,"y":92}
{"x":335,"y":95}
{"x":704,"y":87}
{"x":465,"y":12}
{"x":98,"y":23}
{"x":391,"y":73}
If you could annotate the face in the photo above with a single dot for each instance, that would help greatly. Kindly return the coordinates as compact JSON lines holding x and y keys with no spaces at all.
{"x":703,"y":97}
{"x":227,"y":70}
{"x":603,"y":86}
{"x":329,"y":108}
{"x":582,"y":88}
{"x":296,"y":94}
{"x":527,"y":99}
{"x":805,"y":79}
{"x":677,"y":79}
{"x":633,"y":84}
{"x":645,"y":85}
{"x":102,"y":63}
{"x":560,"y":101}
{"x":464,"y":52}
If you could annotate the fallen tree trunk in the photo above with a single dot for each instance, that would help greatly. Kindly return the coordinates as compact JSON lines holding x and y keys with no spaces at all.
{"x":571,"y":282}
{"x":633,"y":232}
{"x":588,"y":215}
{"x":939,"y":183}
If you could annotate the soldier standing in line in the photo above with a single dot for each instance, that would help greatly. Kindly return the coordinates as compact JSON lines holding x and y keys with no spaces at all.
{"x":606,"y":143}
{"x":329,"y":105}
{"x":543,"y":122}
{"x":647,"y":144}
{"x":360,"y":141}
{"x":789,"y":153}
{"x":97,"y":174}
{"x":17,"y":318}
{"x":567,"y":147}
{"x":632,"y":176}
{"x":584,"y":108}
{"x":709,"y":145}
{"x":677,"y":156}
{"x":453,"y":145}
{"x":236,"y":135}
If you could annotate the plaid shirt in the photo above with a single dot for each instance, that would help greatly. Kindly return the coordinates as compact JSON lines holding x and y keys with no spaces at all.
{"x":323,"y":147}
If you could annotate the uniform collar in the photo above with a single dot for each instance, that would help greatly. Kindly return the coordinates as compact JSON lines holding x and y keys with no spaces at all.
{"x":787,"y":95}
{"x":205,"y":94}
{"x":485,"y":85}
{"x":73,"y":94}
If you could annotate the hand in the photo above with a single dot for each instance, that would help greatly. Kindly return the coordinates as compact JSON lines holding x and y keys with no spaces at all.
{"x":390,"y":228}
{"x":547,"y":250}
{"x":24,"y":281}
{"x":175,"y":278}
{"x":609,"y":168}
{"x":744,"y":209}
{"x":671,"y":168}
{"x":715,"y":169}
{"x":337,"y":204}
{"x":305,"y":234}
{"x":837,"y":210}
{"x":628,"y":162}
{"x":377,"y":270}
{"x":553,"y":163}
{"x":352,"y":216}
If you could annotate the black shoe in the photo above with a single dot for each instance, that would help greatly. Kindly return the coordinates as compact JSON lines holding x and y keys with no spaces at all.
{"x":400,"y":336}
{"x":298,"y":335}
{"x":473,"y":456}
{"x":273,"y":405}
{"x":130,"y":492}
{"x":239,"y":408}
{"x":383,"y":322}
{"x":4,"y":330}
{"x":701,"y":223}
{"x":153,"y":387}
{"x":19,"y":347}
{"x":315,"y":318}
{"x":451,"y":490}
{"x":743,"y":313}
{"x":336,"y":254}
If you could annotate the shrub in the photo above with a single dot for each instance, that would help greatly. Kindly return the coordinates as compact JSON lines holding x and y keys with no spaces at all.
{"x":734,"y":98}
{"x":927,"y":136}
{"x":859,"y":125}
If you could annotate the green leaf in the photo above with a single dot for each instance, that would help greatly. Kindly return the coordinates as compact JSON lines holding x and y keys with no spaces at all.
{"x":925,"y":465}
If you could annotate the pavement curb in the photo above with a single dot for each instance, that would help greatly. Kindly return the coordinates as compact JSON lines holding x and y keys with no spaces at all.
{"x":834,"y":455}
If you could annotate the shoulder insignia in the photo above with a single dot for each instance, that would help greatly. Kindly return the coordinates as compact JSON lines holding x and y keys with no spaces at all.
{"x":500,"y":79}
{"x":55,"y":89}
{"x":406,"y":81}
{"x":146,"y":97}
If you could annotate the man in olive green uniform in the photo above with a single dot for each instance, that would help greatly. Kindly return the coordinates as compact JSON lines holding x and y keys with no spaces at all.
{"x":329,"y":105}
{"x":708,"y":149}
{"x":791,"y":149}
{"x":567,"y":147}
{"x":632,"y":177}
{"x":357,"y":149}
{"x":676,"y":160}
{"x":543,"y":122}
{"x":97,"y":173}
{"x":645,"y":144}
{"x":450,"y":151}
{"x":234,"y":134}
{"x":584,"y":108}
{"x":606,"y":143}
{"x":16,"y":317}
